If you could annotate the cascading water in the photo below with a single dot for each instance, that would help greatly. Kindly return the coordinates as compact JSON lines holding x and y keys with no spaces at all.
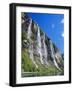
{"x":31,"y":43}
{"x":29,"y":35}
{"x":29,"y":29}
{"x":52,"y":53}
{"x":45,"y":50}
{"x":39,"y":44}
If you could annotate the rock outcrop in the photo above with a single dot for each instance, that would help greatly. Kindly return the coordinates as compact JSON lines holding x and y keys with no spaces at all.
{"x":40,"y":48}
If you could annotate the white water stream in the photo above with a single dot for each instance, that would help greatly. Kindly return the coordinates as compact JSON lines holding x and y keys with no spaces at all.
{"x":52,"y":53}
{"x":31,"y":43}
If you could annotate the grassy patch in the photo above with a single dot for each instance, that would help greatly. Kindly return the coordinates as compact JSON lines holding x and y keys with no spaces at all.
{"x":27,"y":64}
{"x":42,"y":70}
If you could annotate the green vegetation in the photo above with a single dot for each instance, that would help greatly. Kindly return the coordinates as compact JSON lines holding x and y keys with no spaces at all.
{"x":24,"y":36}
{"x":33,"y":37}
{"x":41,"y":32}
{"x":42,"y":70}
{"x":27,"y":64}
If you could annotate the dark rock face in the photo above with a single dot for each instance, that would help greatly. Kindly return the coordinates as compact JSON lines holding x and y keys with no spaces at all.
{"x":39,"y":47}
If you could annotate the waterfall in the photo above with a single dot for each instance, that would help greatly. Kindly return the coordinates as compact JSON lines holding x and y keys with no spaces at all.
{"x":53,"y":56}
{"x":29,"y":29}
{"x":31,"y":43}
{"x":29,"y":35}
{"x":39,"y":44}
{"x":45,"y":49}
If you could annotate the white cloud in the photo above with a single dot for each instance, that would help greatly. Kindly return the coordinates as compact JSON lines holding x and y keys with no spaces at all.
{"x":62,"y":21}
{"x":53,"y":25}
{"x":62,"y":34}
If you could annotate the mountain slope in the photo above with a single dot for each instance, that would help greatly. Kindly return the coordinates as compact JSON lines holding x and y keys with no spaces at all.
{"x":39,"y":54}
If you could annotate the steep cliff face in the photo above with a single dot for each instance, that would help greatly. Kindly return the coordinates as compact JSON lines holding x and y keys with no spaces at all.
{"x":39,"y":48}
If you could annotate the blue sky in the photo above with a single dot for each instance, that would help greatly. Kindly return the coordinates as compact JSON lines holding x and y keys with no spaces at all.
{"x":52,"y":25}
